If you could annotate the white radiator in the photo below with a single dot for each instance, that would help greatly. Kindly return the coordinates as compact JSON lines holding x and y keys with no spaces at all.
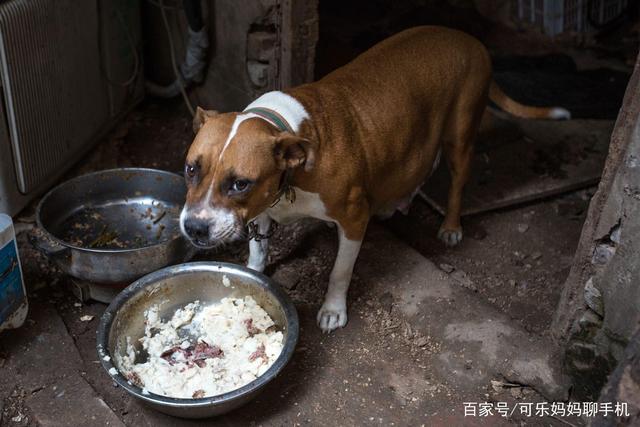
{"x":56,"y":96}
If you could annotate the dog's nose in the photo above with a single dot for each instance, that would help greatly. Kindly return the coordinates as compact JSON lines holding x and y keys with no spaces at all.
{"x":197,"y":229}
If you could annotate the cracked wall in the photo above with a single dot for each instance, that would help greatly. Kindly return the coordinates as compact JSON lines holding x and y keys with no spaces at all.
{"x":600,"y":308}
{"x":262,"y":46}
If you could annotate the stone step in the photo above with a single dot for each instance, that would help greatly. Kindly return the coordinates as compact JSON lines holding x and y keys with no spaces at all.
{"x":44,"y":364}
{"x":477,"y":342}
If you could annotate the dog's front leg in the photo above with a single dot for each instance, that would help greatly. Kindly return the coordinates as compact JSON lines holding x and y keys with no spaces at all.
{"x":258,"y":250}
{"x":333,"y":313}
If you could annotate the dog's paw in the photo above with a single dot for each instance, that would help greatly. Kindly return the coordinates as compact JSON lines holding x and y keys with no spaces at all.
{"x":450,"y":237}
{"x":332,"y":316}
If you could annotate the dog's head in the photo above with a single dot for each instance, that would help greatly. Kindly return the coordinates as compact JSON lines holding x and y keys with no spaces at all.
{"x":233,"y":172}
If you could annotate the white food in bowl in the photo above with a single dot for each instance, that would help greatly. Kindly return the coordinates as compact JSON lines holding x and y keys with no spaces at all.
{"x":204,"y":350}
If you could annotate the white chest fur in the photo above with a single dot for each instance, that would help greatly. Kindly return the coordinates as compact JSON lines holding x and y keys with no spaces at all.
{"x":306,"y":205}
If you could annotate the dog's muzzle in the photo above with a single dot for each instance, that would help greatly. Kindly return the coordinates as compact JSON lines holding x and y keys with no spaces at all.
{"x":209,"y":227}
{"x":197,"y":231}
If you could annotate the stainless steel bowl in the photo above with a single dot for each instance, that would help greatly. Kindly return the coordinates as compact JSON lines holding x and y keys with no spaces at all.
{"x":138,"y":209}
{"x":180,"y":285}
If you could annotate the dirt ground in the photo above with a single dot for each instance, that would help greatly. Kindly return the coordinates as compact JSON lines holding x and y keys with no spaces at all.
{"x":517,"y":258}
{"x":380,"y":370}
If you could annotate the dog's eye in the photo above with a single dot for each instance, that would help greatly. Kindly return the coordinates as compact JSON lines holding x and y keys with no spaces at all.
{"x":239,"y":186}
{"x":190,"y":170}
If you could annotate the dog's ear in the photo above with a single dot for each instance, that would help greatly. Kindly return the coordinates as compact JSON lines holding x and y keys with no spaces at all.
{"x":291,"y":151}
{"x":201,"y":117}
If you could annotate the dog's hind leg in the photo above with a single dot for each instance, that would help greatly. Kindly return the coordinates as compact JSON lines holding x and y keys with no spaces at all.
{"x":459,"y":163}
{"x":458,"y":150}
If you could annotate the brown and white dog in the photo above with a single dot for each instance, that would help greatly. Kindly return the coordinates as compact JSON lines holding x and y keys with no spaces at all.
{"x":357,"y":143}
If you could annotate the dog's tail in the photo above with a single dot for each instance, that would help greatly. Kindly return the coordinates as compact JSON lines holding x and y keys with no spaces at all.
{"x":525,"y":111}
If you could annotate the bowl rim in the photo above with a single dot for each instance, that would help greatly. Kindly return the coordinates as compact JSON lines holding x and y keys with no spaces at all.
{"x":106,"y":320}
{"x":63,"y":184}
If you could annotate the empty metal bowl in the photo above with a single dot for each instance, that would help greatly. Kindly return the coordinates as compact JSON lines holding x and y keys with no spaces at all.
{"x":112,"y":227}
{"x":178,"y":286}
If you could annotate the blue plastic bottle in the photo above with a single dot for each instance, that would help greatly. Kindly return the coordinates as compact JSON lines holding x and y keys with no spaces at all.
{"x":13,"y":296}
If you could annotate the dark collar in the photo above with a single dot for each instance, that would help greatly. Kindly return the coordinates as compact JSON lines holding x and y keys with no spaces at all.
{"x":285,"y":190}
{"x":271,"y":116}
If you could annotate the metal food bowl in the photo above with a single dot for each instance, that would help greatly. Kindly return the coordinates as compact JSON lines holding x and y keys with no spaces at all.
{"x":114,"y":226}
{"x":177,"y":286}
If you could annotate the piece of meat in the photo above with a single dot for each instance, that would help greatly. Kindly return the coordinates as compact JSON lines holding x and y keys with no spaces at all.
{"x":198,"y":394}
{"x":195,"y":356}
{"x":260,"y":352}
{"x":134,"y":379}
{"x":169,"y":352}
{"x":251,"y":329}
{"x":206,"y":351}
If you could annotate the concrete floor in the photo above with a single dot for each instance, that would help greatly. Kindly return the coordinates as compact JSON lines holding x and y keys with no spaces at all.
{"x":425,"y":333}
{"x":418,"y":344}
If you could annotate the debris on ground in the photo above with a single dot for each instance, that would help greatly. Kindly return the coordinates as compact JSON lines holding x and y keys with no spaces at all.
{"x":498,"y":385}
{"x":447,"y":268}
{"x":464,"y":280}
